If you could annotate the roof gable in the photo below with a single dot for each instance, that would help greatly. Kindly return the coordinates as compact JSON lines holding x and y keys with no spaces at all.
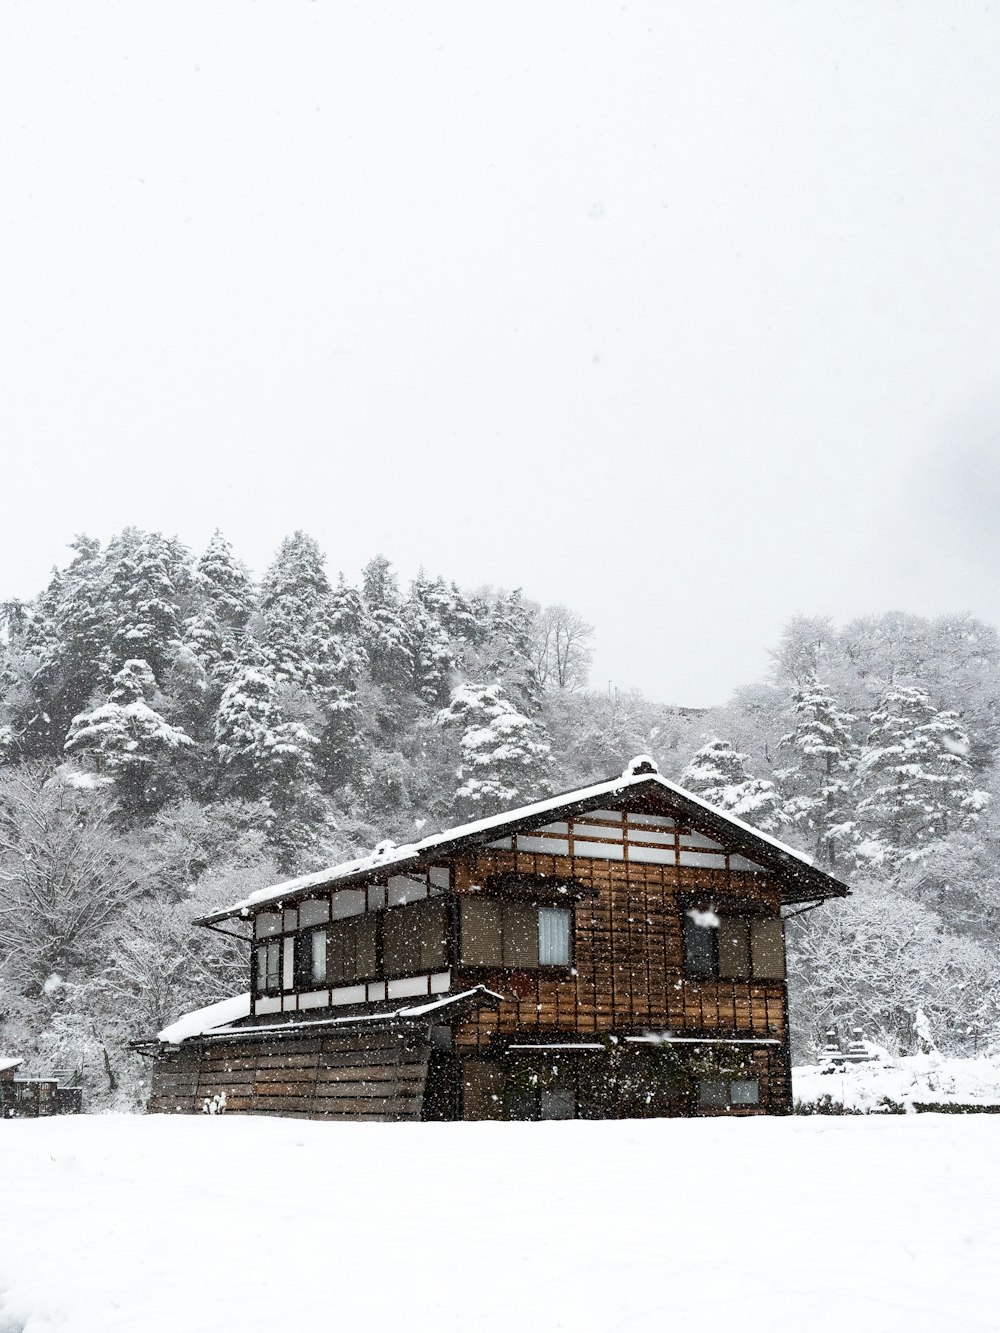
{"x":640,"y":786}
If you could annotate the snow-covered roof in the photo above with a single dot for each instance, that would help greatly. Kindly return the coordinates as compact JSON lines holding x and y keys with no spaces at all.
{"x":222,"y":1019}
{"x":9,"y":1062}
{"x":640,"y":776}
{"x":439,"y":1004}
{"x":200,"y":1021}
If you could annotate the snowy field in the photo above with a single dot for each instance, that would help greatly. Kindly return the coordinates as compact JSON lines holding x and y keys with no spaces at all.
{"x":149,"y":1224}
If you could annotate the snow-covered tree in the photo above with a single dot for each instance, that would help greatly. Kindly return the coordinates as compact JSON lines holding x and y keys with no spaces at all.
{"x":127,"y":741}
{"x":815,"y":784}
{"x":145,"y":571}
{"x":506,"y":652}
{"x":64,"y":873}
{"x":225,"y":583}
{"x":561,"y":648}
{"x":296,"y":629}
{"x":914,"y":783}
{"x":440,"y":625}
{"x":258,"y":749}
{"x":386,"y":629}
{"x":872,"y":960}
{"x":717,"y":773}
{"x":505,"y":756}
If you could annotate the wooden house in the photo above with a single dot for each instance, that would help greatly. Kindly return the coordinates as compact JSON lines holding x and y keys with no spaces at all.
{"x":22,"y":1096}
{"x":613,"y":951}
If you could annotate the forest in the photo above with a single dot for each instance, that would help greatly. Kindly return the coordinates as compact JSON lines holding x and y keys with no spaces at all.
{"x":175,"y":733}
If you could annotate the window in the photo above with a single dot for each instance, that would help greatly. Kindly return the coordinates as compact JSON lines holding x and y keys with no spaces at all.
{"x":267,"y":923}
{"x":721,"y":1093}
{"x":352,"y":952}
{"x":499,"y":934}
{"x":310,"y":960}
{"x":415,"y":939}
{"x":516,"y":935}
{"x":700,"y":952}
{"x":744,"y":1092}
{"x":269,"y":966}
{"x":553,"y":936}
{"x":733,"y":947}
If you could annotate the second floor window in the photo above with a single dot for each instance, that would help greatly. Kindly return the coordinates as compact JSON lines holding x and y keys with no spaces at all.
{"x":269,"y":966}
{"x":733,"y":947}
{"x":499,"y":933}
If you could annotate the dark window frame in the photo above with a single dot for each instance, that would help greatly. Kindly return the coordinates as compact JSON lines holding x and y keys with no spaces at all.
{"x":748,"y":919}
{"x":537,"y":906}
{"x":726,"y":1082}
{"x":267,"y":943}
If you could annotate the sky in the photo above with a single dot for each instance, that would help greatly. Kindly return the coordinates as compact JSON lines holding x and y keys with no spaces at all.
{"x":683,"y":315}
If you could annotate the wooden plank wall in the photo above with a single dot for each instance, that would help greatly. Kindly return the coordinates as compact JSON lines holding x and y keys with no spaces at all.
{"x":369,"y":1075}
{"x":629,"y":957}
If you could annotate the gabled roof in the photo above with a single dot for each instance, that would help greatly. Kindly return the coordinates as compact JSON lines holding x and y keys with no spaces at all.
{"x":800,"y":879}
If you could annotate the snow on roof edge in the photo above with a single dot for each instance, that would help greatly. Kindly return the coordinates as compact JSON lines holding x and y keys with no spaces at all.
{"x":378,"y":858}
{"x":10,"y":1062}
{"x":199,"y":1021}
{"x":379,"y":1016}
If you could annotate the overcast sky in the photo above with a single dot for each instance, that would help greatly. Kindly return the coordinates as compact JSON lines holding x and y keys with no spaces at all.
{"x":684,"y":314}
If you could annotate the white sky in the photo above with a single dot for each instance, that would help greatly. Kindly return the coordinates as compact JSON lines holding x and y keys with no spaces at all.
{"x":684,"y":314}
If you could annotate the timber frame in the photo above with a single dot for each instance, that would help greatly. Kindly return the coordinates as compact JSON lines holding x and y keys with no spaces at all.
{"x":549,"y":974}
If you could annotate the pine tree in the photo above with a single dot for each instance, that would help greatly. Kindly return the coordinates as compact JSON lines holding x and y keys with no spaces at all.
{"x":258,"y":750}
{"x":914,"y":782}
{"x":224,"y":581}
{"x":505,"y":756}
{"x":265,"y":756}
{"x":129,"y":742}
{"x":816,"y":784}
{"x":508,"y":650}
{"x":387,"y":634}
{"x":215,"y":632}
{"x":717,"y":773}
{"x":298,"y":633}
{"x":440,"y":622}
{"x":146,"y":569}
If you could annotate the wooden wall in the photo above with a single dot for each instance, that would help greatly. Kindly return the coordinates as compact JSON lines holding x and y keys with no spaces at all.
{"x":629,"y":958}
{"x":368,"y":1075}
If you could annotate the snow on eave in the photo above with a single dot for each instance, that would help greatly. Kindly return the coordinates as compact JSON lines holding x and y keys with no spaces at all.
{"x":201,"y":1021}
{"x":9,"y":1062}
{"x":413,"y":851}
{"x":403,"y":1014}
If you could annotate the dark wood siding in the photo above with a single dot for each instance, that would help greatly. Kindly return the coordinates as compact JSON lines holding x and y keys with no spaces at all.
{"x":370,"y":1075}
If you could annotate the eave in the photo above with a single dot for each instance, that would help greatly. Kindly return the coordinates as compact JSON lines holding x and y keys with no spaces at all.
{"x":799,"y":881}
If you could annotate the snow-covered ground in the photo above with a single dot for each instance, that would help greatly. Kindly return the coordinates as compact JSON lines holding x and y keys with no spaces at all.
{"x":147,"y":1224}
{"x":932,"y":1078}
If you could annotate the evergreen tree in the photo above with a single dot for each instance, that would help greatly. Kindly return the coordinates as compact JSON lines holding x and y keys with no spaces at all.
{"x":266,"y":756}
{"x":439,"y":622}
{"x":508,"y":651}
{"x":216,"y":630}
{"x":505,"y":756}
{"x":914,"y":782}
{"x":224,"y":581}
{"x":386,"y":631}
{"x":816,"y":784}
{"x":259,"y":751}
{"x":146,"y":569}
{"x":128,"y":742}
{"x":297,"y":630}
{"x":717,"y":773}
